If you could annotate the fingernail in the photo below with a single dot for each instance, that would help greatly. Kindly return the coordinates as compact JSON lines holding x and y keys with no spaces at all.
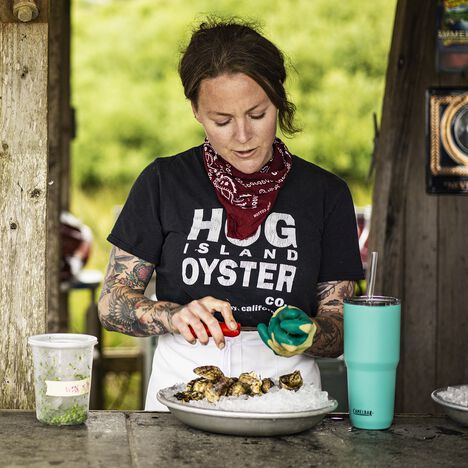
{"x":232,"y":325}
{"x":221,"y":345}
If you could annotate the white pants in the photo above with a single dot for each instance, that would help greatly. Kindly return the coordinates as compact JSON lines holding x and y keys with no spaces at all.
{"x":175,"y":359}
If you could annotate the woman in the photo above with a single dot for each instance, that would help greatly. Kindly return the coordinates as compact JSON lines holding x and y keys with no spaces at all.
{"x":234,"y":228}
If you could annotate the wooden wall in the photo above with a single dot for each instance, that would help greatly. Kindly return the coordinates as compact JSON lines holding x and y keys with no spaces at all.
{"x":30,"y":191}
{"x":422,"y":239}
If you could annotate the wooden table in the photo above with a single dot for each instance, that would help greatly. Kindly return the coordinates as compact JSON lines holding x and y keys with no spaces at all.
{"x":139,"y":439}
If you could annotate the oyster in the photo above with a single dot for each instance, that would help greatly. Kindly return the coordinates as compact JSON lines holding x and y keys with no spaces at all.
{"x":291,"y":381}
{"x":266,"y":385}
{"x":253,"y":382}
{"x":197,"y":385}
{"x":215,"y":389}
{"x":209,"y":372}
{"x":238,"y":388}
{"x":188,"y":395}
{"x":189,"y":386}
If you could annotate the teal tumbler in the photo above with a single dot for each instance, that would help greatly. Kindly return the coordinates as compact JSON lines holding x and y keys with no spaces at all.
{"x":371,"y":353}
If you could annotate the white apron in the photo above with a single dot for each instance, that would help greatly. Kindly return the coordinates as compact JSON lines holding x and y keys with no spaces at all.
{"x":175,"y":359}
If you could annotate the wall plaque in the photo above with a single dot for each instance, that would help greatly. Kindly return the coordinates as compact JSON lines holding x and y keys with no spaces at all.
{"x":452,"y":35}
{"x":447,"y":135}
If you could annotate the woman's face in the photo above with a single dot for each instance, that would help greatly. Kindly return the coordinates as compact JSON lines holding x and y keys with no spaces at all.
{"x":239,"y":120}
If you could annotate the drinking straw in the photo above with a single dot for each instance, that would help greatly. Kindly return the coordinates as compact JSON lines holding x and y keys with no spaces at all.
{"x":373,"y":270}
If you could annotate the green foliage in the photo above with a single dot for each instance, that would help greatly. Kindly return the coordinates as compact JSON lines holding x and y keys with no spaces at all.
{"x":130,"y":103}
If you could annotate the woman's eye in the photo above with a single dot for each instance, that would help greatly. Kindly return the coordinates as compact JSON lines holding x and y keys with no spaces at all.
{"x":221,"y":124}
{"x":258,"y":116}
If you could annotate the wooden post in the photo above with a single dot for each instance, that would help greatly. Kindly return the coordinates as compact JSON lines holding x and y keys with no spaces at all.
{"x":422,"y":239}
{"x":67,"y":113}
{"x":59,"y":117}
{"x":54,"y":165}
{"x":67,"y":129}
{"x":23,"y":198}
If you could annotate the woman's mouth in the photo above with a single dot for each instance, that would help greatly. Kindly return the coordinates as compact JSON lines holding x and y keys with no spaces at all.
{"x":245,"y":153}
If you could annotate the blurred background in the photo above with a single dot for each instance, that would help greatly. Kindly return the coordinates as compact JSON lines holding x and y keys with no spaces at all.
{"x":130,"y":106}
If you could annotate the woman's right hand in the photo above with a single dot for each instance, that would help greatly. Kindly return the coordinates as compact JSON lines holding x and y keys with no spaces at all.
{"x":199,"y":312}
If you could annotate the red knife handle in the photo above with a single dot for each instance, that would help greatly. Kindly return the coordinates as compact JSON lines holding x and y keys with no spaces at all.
{"x":228,"y":332}
{"x":224,"y":328}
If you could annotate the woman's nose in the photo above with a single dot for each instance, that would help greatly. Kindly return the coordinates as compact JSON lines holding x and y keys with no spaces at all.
{"x":243,"y":131}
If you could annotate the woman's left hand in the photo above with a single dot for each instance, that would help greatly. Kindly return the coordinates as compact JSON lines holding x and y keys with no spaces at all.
{"x":290,"y":331}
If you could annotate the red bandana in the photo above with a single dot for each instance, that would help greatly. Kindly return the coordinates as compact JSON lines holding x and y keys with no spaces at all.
{"x":247,"y":198}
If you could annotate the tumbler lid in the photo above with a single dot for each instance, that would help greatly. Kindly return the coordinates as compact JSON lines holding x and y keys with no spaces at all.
{"x":372,"y":301}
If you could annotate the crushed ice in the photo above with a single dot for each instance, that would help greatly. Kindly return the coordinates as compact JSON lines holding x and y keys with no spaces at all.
{"x":277,"y":400}
{"x":457,"y":395}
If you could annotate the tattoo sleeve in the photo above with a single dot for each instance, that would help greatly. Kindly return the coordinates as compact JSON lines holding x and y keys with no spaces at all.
{"x":328,"y":339}
{"x":123,"y":306}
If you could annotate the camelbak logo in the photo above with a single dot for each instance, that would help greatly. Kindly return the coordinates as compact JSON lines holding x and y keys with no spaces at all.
{"x":362,"y":412}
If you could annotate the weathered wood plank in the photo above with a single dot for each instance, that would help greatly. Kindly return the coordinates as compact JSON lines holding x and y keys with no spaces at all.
{"x":66,"y":131}
{"x":58,"y":165}
{"x":114,"y":439}
{"x":67,"y":124}
{"x":419,"y":250}
{"x":403,"y":215}
{"x":421,"y":237}
{"x":383,"y":159}
{"x":23,"y":192}
{"x":452,"y":310}
{"x":6,"y":11}
{"x":411,"y":441}
{"x":452,"y":269}
{"x":101,"y":442}
{"x":54,"y":166}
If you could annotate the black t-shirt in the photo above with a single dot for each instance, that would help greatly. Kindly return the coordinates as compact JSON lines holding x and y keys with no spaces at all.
{"x":173,"y":219}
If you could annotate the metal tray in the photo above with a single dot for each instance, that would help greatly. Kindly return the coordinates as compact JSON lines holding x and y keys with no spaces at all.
{"x":243,"y":423}
{"x":456,"y":412}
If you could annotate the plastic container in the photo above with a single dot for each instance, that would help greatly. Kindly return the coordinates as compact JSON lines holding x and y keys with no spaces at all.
{"x":371,"y":353}
{"x":62,"y":377}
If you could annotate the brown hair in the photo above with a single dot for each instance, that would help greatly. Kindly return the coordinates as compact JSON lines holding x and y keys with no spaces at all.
{"x":233,"y":46}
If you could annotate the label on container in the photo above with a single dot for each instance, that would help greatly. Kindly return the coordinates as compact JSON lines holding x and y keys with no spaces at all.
{"x":68,"y":388}
{"x":362,"y":412}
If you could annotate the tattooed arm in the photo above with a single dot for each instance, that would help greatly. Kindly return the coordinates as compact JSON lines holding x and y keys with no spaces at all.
{"x":328,"y":339}
{"x":123,"y":306}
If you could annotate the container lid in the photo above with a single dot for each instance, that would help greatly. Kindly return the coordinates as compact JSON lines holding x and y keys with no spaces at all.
{"x":372,"y":301}
{"x":62,"y":340}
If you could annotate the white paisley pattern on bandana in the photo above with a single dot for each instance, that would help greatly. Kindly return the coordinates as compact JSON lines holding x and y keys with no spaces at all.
{"x":255,"y":193}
